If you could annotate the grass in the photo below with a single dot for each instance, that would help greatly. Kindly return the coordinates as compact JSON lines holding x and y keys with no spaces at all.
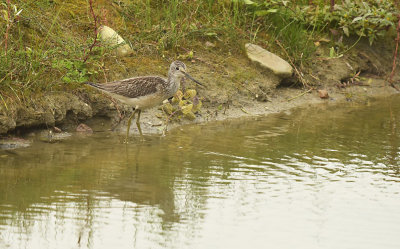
{"x":48,"y":41}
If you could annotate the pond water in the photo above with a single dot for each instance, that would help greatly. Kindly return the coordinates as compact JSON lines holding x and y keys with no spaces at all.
{"x":326,"y":177}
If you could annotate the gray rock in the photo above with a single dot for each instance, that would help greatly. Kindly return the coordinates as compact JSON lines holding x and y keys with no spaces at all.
{"x":48,"y":110}
{"x":269,"y":60}
{"x":48,"y":136}
{"x":6,"y":124}
{"x":113,"y":39}
{"x":14,"y":143}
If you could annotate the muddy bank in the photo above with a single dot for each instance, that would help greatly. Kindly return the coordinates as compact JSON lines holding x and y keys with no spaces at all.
{"x":235,"y":87}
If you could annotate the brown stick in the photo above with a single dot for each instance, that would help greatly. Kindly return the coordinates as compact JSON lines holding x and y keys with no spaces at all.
{"x":395,"y":56}
{"x":296,"y":70}
{"x":95,"y":30}
{"x":332,"y":5}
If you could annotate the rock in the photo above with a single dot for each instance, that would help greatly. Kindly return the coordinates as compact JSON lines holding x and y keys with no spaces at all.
{"x":84,"y":128}
{"x":209,"y":44}
{"x":48,"y":110}
{"x":6,"y":123}
{"x":113,"y":39}
{"x":48,"y":136}
{"x":323,"y":94}
{"x":269,"y":60}
{"x":14,"y":143}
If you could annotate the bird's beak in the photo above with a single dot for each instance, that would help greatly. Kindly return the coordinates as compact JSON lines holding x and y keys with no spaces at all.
{"x":190,"y":77}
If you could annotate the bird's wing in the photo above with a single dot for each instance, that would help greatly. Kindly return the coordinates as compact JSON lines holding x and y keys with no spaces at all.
{"x":133,"y":87}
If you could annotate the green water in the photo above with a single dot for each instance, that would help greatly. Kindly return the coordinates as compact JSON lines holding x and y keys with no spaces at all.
{"x":320,"y":178}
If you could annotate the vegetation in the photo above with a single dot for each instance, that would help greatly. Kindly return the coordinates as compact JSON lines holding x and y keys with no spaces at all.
{"x":52,"y":44}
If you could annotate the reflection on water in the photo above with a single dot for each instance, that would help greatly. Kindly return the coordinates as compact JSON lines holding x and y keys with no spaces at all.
{"x":322,"y":178}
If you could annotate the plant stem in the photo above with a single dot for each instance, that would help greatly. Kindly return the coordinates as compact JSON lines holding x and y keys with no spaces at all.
{"x":296,"y":70}
{"x":395,"y":55}
{"x":8,"y":26}
{"x":95,"y":31}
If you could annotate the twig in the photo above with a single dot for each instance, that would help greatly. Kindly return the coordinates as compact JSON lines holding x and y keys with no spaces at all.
{"x":301,"y":94}
{"x":395,"y":56}
{"x":95,"y":30}
{"x":4,"y":102}
{"x":296,"y":70}
{"x":167,"y":120}
{"x":245,"y":111}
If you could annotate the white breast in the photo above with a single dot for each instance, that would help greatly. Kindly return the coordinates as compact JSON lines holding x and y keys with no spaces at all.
{"x":143,"y":102}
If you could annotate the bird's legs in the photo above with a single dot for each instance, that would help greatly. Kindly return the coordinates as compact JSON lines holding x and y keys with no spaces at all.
{"x":138,"y":111}
{"x":129,"y":124}
{"x":138,"y":123}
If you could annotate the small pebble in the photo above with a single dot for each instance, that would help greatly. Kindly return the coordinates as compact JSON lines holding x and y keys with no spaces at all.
{"x":323,"y":94}
{"x":84,"y":128}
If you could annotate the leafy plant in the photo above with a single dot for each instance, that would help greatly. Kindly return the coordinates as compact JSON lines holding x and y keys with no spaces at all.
{"x":75,"y":70}
{"x":371,"y":19}
{"x":183,"y":105}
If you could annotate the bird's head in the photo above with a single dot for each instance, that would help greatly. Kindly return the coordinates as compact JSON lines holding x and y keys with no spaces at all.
{"x":178,"y":70}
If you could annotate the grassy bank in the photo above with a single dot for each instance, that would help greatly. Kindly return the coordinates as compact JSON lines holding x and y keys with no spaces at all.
{"x":50,"y":45}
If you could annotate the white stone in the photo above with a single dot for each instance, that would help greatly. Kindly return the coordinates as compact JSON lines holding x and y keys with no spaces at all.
{"x":269,"y":60}
{"x":113,"y":39}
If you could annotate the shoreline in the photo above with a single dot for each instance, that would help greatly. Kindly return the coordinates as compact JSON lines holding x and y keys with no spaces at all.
{"x":235,"y":88}
{"x":151,"y":125}
{"x":360,"y":95}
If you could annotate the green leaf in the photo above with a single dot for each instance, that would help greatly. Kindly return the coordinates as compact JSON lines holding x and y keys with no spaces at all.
{"x":346,"y":31}
{"x":67,"y":64}
{"x":187,"y":108}
{"x":66,"y":79}
{"x":83,"y":79}
{"x":357,"y":19}
{"x":189,"y":94}
{"x":211,"y":34}
{"x":190,"y":116}
{"x":168,"y":108}
{"x":5,"y":15}
{"x":265,"y":12}
{"x":248,"y":2}
{"x":332,"y":52}
{"x":371,"y":40}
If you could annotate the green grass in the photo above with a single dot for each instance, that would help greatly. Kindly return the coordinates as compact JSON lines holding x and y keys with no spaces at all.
{"x":48,"y":40}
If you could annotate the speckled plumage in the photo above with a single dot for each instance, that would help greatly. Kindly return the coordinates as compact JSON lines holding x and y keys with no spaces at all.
{"x":135,"y":91}
{"x":146,"y":91}
{"x":134,"y":87}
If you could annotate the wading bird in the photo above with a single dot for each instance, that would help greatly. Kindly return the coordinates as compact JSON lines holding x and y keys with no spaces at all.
{"x":145,"y":91}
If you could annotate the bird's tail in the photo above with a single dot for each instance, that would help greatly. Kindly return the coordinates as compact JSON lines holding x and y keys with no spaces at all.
{"x":98,"y":86}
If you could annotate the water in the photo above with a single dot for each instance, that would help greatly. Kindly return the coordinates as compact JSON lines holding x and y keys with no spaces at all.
{"x":327,"y":177}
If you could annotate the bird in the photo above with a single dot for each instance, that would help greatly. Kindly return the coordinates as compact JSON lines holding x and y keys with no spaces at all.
{"x":144,"y":92}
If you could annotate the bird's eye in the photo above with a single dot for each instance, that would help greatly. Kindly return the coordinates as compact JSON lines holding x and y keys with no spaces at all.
{"x":177,"y":68}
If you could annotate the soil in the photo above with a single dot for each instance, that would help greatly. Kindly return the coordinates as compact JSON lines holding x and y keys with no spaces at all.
{"x":234,"y":87}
